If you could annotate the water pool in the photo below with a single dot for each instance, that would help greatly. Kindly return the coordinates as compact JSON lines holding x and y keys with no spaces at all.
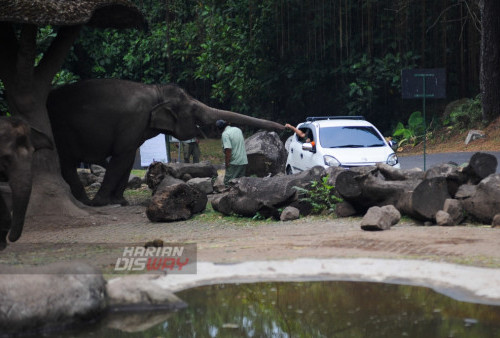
{"x":306,"y":309}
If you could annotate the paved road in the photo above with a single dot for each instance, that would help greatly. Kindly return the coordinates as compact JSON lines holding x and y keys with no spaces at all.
{"x":409,"y":162}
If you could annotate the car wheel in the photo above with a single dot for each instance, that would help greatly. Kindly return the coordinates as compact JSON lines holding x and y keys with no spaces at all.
{"x":289,"y":170}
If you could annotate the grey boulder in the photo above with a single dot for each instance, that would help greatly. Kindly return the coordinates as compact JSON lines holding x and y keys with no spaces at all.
{"x":289,"y":214}
{"x":48,"y":297}
{"x":266,"y":154}
{"x":380,"y":218}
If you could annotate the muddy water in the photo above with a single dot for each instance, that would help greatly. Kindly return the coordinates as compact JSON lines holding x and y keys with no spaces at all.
{"x":308,"y":309}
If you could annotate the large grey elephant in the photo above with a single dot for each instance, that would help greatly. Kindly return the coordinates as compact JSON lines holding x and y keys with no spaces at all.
{"x":96,"y":119}
{"x":16,"y":153}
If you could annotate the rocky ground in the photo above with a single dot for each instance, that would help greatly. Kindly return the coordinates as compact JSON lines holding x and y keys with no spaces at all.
{"x":100,"y":238}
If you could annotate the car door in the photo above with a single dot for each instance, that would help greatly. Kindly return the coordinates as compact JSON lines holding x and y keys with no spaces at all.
{"x":301,"y":159}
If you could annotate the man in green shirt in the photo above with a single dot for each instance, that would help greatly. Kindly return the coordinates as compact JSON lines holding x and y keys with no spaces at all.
{"x":235,"y":155}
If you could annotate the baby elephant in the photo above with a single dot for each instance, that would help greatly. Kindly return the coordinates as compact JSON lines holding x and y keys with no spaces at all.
{"x":16,"y":152}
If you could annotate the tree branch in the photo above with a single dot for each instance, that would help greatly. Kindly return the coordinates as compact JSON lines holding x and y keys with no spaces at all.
{"x":54,"y":57}
{"x":26,"y":53}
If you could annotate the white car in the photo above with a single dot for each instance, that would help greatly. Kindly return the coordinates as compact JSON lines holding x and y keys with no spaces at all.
{"x":338,"y":141}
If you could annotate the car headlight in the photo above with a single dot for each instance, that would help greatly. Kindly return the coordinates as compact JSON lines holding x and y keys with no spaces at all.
{"x":392,"y":159}
{"x":331,"y":161}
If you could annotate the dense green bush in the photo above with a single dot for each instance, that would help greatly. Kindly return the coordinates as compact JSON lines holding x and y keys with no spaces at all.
{"x":465,"y":116}
{"x":371,"y":80}
{"x":288,"y":59}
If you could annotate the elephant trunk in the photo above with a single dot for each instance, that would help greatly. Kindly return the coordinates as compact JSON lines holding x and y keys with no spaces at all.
{"x":20,"y":184}
{"x":210,"y":115}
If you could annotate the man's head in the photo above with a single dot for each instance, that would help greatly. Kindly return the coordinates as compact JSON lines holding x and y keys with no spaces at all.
{"x":220,"y":124}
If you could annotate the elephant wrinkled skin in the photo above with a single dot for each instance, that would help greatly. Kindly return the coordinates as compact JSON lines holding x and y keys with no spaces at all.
{"x":16,"y":152}
{"x":96,"y":119}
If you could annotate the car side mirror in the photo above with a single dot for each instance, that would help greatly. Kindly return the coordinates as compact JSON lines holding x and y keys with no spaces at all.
{"x":309,"y":147}
{"x":393,"y":144}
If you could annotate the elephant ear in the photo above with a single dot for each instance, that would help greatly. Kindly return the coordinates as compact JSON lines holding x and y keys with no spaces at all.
{"x":163,"y":118}
{"x":27,"y":136}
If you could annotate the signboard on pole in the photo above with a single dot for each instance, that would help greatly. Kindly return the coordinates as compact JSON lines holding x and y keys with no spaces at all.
{"x":412,"y":85}
{"x":424,"y":84}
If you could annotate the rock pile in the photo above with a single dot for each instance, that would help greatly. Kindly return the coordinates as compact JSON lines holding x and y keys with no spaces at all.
{"x":93,"y":177}
{"x":179,"y":189}
{"x":445,"y":195}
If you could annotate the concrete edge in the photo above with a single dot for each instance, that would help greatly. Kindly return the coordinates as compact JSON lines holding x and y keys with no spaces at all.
{"x":463,"y":283}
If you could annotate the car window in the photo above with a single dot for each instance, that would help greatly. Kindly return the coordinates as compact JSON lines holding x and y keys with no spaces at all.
{"x":309,"y":135}
{"x":350,"y":137}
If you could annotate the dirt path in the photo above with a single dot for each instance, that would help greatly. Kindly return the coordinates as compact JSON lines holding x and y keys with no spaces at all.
{"x":100,"y":240}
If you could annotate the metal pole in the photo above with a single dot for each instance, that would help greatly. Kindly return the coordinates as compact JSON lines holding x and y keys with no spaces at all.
{"x":425,"y":124}
{"x":424,"y":96}
{"x":167,"y":143}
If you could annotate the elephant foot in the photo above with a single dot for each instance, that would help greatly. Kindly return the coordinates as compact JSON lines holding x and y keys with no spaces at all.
{"x":119,"y":200}
{"x":99,"y":201}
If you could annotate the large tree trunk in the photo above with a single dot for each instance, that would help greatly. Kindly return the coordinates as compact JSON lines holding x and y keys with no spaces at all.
{"x":490,"y":58}
{"x":27,"y":88}
{"x":365,"y":189}
{"x":252,"y":195}
{"x":425,"y":200}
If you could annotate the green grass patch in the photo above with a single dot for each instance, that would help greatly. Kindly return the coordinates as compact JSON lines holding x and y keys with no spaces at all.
{"x":210,"y":150}
{"x":209,"y":215}
{"x":139,"y":172}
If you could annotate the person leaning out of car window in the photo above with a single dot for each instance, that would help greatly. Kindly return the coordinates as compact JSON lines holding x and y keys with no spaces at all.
{"x":302,"y":135}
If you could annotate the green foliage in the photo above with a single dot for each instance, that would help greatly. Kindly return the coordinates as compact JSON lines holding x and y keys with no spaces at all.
{"x":258,"y":217}
{"x":413,"y":130}
{"x":465,"y":116}
{"x":279,"y":60}
{"x":370,"y":79}
{"x":44,"y":37}
{"x":64,"y":77}
{"x":320,"y":195}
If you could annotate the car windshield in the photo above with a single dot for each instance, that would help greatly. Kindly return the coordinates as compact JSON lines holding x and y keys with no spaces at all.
{"x":350,"y":137}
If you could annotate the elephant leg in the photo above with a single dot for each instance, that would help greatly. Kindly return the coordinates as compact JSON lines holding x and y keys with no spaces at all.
{"x":5,"y":223}
{"x":111,"y":188}
{"x":117,"y":194}
{"x":70,"y":175}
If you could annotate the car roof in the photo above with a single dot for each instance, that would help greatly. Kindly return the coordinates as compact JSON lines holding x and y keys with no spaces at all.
{"x":338,"y":123}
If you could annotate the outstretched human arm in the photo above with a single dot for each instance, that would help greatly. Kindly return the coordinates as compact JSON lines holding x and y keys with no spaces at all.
{"x":299,"y":132}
